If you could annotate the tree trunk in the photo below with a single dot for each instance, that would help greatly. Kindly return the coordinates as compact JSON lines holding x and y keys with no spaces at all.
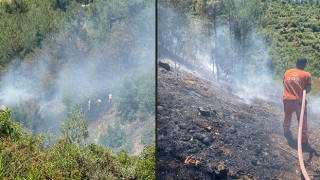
{"x":230,"y":30}
{"x":243,"y":49}
{"x":215,"y":44}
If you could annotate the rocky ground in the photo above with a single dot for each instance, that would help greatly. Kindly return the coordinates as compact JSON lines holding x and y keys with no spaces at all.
{"x":206,"y":132}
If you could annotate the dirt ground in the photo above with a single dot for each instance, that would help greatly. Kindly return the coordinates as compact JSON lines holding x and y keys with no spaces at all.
{"x":206,"y":132}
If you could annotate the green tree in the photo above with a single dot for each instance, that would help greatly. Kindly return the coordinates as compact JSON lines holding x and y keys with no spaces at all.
{"x":246,"y":18}
{"x":75,"y":127}
{"x":146,"y":163}
{"x":114,"y":137}
{"x":25,"y":113}
{"x":211,"y":9}
{"x":136,"y":97}
{"x":8,"y":128}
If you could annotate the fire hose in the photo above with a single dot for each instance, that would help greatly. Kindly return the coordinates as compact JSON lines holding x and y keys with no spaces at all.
{"x":302,"y":167}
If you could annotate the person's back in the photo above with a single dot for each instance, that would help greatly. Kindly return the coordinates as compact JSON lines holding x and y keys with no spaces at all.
{"x":294,"y":82}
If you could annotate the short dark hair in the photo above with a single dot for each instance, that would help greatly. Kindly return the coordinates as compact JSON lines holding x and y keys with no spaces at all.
{"x":301,"y":62}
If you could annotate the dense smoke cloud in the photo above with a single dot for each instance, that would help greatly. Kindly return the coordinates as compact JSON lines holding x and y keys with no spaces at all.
{"x":255,"y":81}
{"x":249,"y":78}
{"x":73,"y":66}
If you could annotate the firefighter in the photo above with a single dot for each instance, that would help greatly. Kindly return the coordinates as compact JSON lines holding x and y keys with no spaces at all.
{"x":110,"y":97}
{"x":294,"y":82}
{"x":99,"y":102}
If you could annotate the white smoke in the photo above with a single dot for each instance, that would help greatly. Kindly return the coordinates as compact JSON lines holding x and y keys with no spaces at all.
{"x":313,"y":104}
{"x":70,"y":70}
{"x":249,"y":78}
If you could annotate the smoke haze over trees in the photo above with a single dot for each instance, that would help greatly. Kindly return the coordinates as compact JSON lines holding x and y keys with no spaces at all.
{"x":86,"y":58}
{"x":239,"y":41}
{"x":57,"y":59}
{"x":216,"y":39}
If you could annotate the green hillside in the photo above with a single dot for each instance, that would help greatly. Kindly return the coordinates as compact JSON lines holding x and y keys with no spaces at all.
{"x":293,"y":30}
{"x":56,"y":57}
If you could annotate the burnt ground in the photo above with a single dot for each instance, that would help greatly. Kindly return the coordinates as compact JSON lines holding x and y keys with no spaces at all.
{"x":231,"y":139}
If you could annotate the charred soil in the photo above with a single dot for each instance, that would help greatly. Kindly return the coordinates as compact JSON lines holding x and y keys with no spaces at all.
{"x":206,"y":132}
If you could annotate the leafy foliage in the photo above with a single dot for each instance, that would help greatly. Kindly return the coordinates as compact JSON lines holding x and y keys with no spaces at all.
{"x":24,"y":24}
{"x":146,"y":168}
{"x":25,"y":157}
{"x":75,"y":128}
{"x":8,"y":128}
{"x":135,"y":97}
{"x":115,"y":137}
{"x":25,"y":113}
{"x":148,"y":137}
{"x":291,"y":31}
{"x":30,"y":25}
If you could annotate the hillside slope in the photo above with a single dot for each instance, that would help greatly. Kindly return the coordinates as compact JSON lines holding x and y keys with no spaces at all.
{"x":134,"y":130}
{"x":231,"y":139}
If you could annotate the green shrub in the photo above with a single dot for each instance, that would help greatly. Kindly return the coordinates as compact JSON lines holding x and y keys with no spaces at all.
{"x":136,"y":97}
{"x":315,"y":27}
{"x":148,"y":137}
{"x":25,"y":113}
{"x":99,"y":163}
{"x":146,"y":164}
{"x":114,"y":138}
{"x":75,"y":127}
{"x":8,"y":128}
{"x":34,"y":174}
{"x":2,"y":170}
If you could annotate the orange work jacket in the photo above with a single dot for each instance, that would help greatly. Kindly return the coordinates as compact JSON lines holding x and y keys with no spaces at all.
{"x":294,"y":81}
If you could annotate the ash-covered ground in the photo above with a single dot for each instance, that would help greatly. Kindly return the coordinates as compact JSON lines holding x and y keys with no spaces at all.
{"x":206,"y":132}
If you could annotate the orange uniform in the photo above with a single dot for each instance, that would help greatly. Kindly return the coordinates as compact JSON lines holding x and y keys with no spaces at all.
{"x":294,"y":82}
